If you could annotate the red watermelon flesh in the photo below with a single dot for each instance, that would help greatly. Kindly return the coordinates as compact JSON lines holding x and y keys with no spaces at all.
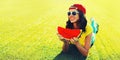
{"x":68,"y":33}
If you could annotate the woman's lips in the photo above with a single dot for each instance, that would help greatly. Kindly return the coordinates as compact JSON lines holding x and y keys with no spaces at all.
{"x":72,"y":18}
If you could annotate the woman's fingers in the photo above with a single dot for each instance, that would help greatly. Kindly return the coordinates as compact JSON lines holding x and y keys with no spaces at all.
{"x":60,"y":36}
{"x":75,"y":39}
{"x":71,"y":40}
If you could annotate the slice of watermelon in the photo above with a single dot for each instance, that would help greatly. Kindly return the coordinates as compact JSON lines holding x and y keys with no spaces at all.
{"x":68,"y":33}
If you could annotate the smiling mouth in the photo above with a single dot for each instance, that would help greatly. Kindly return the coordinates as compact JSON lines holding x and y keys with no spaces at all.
{"x":72,"y":18}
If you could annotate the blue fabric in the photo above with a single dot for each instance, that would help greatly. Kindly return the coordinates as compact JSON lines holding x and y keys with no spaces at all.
{"x":95,"y":30}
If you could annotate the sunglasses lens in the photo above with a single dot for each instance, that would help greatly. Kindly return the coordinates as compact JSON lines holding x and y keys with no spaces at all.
{"x":69,"y":13}
{"x":74,"y":13}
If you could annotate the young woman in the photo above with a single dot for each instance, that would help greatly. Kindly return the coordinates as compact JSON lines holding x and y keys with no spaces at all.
{"x":76,"y":48}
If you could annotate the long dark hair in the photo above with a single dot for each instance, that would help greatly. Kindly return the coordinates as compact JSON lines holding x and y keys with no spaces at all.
{"x":81,"y":23}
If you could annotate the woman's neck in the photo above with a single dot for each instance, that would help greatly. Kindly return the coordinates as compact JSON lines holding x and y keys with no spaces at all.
{"x":75,"y":25}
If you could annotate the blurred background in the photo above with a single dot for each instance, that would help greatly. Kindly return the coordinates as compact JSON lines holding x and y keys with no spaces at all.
{"x":28,"y":28}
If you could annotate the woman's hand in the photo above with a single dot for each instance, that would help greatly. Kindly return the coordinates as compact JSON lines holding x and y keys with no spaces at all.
{"x":75,"y":40}
{"x":65,"y":42}
{"x":62,"y":38}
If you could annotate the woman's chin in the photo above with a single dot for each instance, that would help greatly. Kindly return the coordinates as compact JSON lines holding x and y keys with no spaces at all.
{"x":73,"y":21}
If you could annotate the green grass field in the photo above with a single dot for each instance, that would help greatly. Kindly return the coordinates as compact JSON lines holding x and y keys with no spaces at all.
{"x":28,"y":28}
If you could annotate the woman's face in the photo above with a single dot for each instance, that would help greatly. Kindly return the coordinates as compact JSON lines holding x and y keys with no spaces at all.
{"x":73,"y":15}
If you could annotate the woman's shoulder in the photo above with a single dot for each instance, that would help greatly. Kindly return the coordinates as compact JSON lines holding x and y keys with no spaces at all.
{"x":88,"y":29}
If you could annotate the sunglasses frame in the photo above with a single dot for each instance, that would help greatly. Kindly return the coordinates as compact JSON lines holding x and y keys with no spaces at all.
{"x":72,"y":13}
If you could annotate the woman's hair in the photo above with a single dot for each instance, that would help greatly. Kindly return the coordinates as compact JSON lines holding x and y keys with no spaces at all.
{"x":81,"y":23}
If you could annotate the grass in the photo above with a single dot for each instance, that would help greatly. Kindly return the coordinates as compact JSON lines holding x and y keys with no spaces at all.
{"x":28,"y":28}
